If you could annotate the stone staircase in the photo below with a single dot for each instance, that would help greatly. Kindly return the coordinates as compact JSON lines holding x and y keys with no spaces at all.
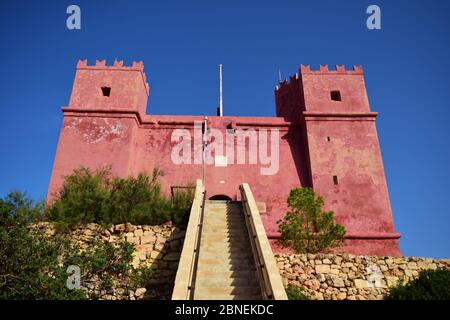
{"x":226,"y":267}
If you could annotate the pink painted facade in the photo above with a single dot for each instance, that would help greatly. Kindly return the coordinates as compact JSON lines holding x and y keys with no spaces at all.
{"x":326,"y":144}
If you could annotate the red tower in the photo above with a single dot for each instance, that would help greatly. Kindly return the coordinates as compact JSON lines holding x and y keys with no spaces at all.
{"x":100,"y":123}
{"x":345,"y":163}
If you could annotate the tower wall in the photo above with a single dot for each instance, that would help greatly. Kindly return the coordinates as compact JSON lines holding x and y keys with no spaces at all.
{"x":100,"y":128}
{"x":345,"y":161}
{"x":127,"y":85}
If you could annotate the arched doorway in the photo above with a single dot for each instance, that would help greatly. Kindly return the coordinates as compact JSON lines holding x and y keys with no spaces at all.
{"x":220,"y":197}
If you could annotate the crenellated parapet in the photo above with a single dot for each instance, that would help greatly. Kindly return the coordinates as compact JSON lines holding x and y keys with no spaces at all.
{"x":339,"y":69}
{"x":322,"y":70}
{"x":117,"y":65}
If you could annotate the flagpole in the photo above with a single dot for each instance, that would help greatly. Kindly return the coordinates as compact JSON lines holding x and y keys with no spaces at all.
{"x":220,"y":92}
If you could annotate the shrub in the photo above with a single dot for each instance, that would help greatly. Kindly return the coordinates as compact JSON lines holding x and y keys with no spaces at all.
{"x":88,"y":196}
{"x":83,"y":198}
{"x":181,"y":204}
{"x":34,"y":266}
{"x":429,"y":285}
{"x":295,"y":293}
{"x":17,"y":207}
{"x":306,"y":227}
{"x":138,"y":200}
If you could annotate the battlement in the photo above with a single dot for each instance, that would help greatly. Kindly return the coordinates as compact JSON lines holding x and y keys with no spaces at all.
{"x":323,"y":70}
{"x":339,"y":69}
{"x":117,"y":65}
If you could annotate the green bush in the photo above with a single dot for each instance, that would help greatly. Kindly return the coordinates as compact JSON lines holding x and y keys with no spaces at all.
{"x":83,"y":198}
{"x":429,"y":285}
{"x":181,"y":203}
{"x":295,"y":293}
{"x":138,"y":200}
{"x":34,"y":266}
{"x":306,"y":227}
{"x":17,"y":207}
{"x":88,"y":196}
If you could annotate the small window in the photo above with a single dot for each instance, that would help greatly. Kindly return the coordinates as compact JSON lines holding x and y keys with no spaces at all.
{"x":336,"y":95}
{"x":106,"y":91}
{"x":328,"y":139}
{"x":335,"y":180}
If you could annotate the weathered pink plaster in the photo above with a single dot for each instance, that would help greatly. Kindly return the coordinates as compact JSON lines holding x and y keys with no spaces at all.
{"x":319,"y":139}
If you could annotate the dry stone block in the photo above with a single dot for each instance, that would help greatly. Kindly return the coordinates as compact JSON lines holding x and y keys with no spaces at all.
{"x":148,"y":239}
{"x":155,"y":255}
{"x":337,"y":282}
{"x":119,"y":228}
{"x":323,"y":268}
{"x":129,"y":227}
{"x":361,"y":284}
{"x":140,"y":292}
{"x":134,"y":240}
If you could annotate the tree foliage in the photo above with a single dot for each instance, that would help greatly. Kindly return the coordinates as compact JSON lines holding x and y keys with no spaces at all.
{"x":34,"y":265}
{"x":95,"y":196}
{"x":429,"y":285}
{"x":306,"y":227}
{"x":296,"y":293}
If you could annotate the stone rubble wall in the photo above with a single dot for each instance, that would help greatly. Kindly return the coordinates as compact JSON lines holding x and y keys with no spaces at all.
{"x":157,"y":246}
{"x":350,"y":277}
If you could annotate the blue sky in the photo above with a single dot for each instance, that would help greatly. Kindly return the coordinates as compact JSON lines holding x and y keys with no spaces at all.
{"x":406,"y":67}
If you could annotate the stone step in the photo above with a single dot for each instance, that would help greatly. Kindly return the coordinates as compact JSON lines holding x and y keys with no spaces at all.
{"x":222,"y":220}
{"x":218,"y":281}
{"x":224,"y":232}
{"x":238,"y":261}
{"x":228,"y":220}
{"x":226,"y":249}
{"x":229,"y":297}
{"x":238,"y":227}
{"x":214,"y":254}
{"x":229,"y":206}
{"x":223,"y":225}
{"x":215,"y":293}
{"x":211,"y":239}
{"x":222,"y":212}
{"x":223,"y":209}
{"x":226,"y":274}
{"x":224,"y":245}
{"x":221,"y":238}
{"x":224,"y":268}
{"x":226,"y":261}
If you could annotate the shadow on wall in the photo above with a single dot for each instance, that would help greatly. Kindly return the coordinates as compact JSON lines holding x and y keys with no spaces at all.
{"x":163,"y":257}
{"x":296,"y":139}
